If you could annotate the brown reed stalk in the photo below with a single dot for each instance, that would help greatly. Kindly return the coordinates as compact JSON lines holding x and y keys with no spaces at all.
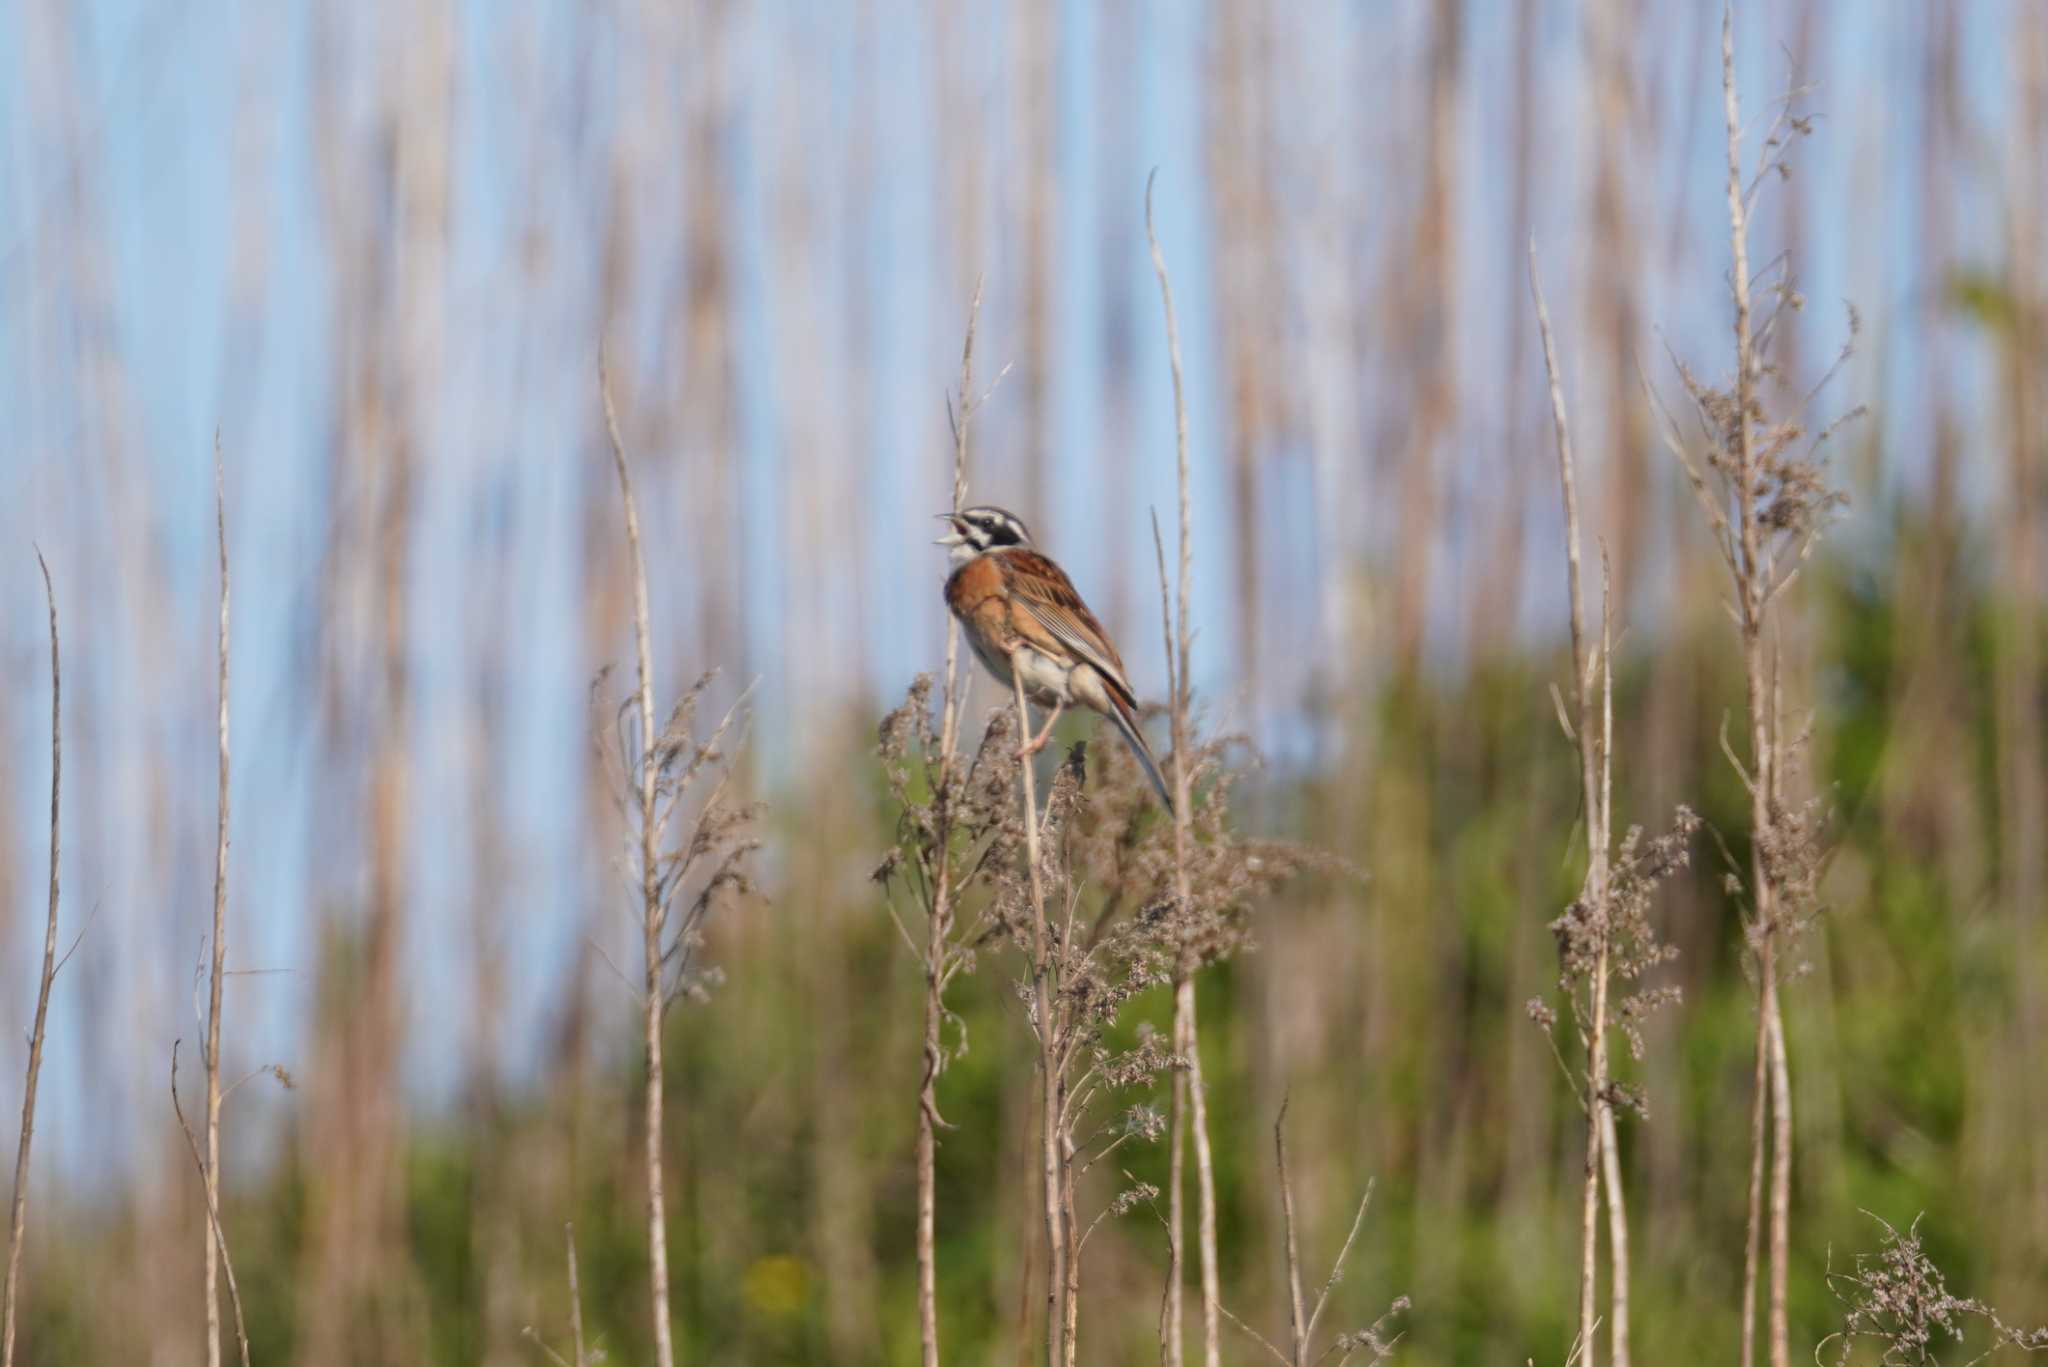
{"x":659,"y":769}
{"x":216,"y":1241}
{"x":1302,"y":1318}
{"x":219,"y":1234}
{"x":651,"y":905}
{"x":1595,"y":777}
{"x":1771,"y":469}
{"x":18,"y":1221}
{"x":1752,"y":590}
{"x":940,"y":910}
{"x":1190,"y":1096}
{"x":1051,"y":1169}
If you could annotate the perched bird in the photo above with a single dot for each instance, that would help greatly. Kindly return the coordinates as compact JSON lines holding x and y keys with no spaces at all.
{"x":1025,"y":620}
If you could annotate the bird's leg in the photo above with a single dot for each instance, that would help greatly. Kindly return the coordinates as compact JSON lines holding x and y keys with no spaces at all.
{"x":1037,"y":742}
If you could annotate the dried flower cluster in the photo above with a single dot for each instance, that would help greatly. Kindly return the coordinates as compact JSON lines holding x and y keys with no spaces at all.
{"x":1621,"y":929}
{"x":1118,"y":845}
{"x":956,"y":829}
{"x":1897,"y":1298}
{"x":704,"y":868}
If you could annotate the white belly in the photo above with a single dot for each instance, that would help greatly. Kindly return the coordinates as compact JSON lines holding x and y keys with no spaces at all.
{"x":1048,"y":681}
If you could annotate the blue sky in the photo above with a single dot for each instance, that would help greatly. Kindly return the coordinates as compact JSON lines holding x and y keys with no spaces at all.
{"x":170,"y":265}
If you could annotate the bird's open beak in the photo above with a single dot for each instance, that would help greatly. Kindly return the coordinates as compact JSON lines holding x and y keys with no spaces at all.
{"x":957,"y":538}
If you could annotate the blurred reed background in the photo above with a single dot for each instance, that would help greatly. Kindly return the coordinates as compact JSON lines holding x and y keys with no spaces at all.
{"x":376,"y":246}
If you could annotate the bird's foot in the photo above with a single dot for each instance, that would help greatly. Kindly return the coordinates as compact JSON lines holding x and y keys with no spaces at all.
{"x":1039,"y":741}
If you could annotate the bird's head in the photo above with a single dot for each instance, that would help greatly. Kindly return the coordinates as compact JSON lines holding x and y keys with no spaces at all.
{"x":986,"y":528}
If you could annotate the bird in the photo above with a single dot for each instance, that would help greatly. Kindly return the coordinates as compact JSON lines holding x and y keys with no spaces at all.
{"x":1025,"y":619}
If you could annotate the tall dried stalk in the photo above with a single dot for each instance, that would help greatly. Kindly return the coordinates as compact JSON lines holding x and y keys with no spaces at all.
{"x":214,"y":1245}
{"x":1050,"y":1110}
{"x":18,"y":1222}
{"x":1302,"y":1318}
{"x":939,"y":914}
{"x":651,"y":906}
{"x":1190,"y":1095}
{"x":707,"y":854}
{"x":1751,"y":591}
{"x":1596,"y":778}
{"x":1771,"y":470}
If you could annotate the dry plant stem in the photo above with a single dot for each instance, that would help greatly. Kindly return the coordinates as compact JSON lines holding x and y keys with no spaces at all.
{"x":941,"y":922}
{"x":1302,"y":1317}
{"x":1617,"y":1241}
{"x":1754,"y":1226}
{"x":650,"y":897}
{"x":220,"y":915}
{"x":212,"y":1211}
{"x":1753,"y":577}
{"x":1048,"y":1064}
{"x":18,"y":1222}
{"x":575,"y":1297}
{"x":1187,"y":1036}
{"x":1781,"y":1184}
{"x":1297,"y":1322}
{"x":1170,"y":1351}
{"x":1205,"y":1174}
{"x":1595,"y":780}
{"x":1610,"y":1157}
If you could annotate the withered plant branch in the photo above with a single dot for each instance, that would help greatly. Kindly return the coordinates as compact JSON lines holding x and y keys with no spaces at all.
{"x":220,"y":1237}
{"x":1297,"y":1321}
{"x":575,"y":1296}
{"x":1595,"y":785}
{"x":1186,"y":1033}
{"x":1752,"y":580}
{"x":938,"y":956}
{"x":1302,"y":1317}
{"x":1050,"y":1119}
{"x":216,"y":1241}
{"x":532,"y":1335}
{"x":17,"y":1227}
{"x":653,"y":999}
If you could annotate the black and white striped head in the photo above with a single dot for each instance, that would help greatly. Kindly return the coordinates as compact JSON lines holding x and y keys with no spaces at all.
{"x":985,"y":528}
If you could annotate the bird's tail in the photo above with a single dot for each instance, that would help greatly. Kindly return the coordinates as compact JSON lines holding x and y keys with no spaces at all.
{"x":1127,"y":726}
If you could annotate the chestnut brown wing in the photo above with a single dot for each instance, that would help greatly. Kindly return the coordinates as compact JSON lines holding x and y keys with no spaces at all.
{"x":1043,"y":590}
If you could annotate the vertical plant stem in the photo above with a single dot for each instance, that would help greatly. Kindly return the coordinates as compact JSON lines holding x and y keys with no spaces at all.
{"x":575,"y":1298}
{"x":1753,"y":1228}
{"x":1596,"y":784}
{"x":1752,"y":587}
{"x":1781,"y":1183}
{"x":1617,"y":1242}
{"x":18,"y":1222}
{"x":220,"y":930}
{"x":651,"y":910}
{"x":1297,"y":1321}
{"x":1186,"y":1030}
{"x":220,"y":1238}
{"x":1048,"y":1061}
{"x":940,"y":924}
{"x":1617,"y":1213}
{"x":1205,"y":1175}
{"x":1170,"y":1350}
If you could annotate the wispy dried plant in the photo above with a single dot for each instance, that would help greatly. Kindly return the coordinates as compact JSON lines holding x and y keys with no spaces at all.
{"x":1898,"y":1300}
{"x":215,"y":1237}
{"x":949,"y":824}
{"x":1376,"y":1340}
{"x":683,"y":870}
{"x":1606,"y":933}
{"x":579,"y":1356}
{"x":1116,"y":925}
{"x":1190,"y":1107}
{"x":1761,"y":481}
{"x":955,"y":826}
{"x":17,"y":1226}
